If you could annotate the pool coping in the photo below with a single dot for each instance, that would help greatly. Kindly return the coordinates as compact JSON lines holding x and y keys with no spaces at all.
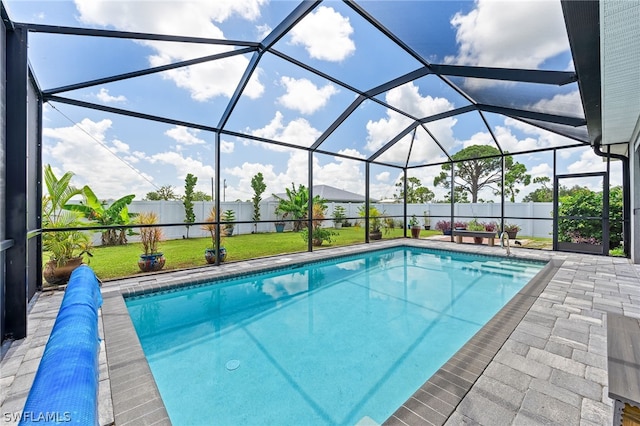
{"x":135,"y":395}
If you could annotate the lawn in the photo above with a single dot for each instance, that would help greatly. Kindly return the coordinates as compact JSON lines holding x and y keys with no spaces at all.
{"x":121,"y":261}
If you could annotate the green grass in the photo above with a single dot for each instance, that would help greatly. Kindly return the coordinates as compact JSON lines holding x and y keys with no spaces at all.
{"x":122,"y":261}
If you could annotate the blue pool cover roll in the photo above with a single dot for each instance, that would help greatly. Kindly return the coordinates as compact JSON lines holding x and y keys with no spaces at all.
{"x":65,"y":388}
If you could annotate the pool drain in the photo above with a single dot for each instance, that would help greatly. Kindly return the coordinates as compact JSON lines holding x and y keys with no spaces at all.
{"x":233,"y":364}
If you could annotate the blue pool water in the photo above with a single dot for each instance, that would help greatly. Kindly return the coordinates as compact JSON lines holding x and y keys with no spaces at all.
{"x":326,"y":343}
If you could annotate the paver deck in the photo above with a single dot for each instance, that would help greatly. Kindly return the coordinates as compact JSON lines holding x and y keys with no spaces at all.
{"x":551,"y":369}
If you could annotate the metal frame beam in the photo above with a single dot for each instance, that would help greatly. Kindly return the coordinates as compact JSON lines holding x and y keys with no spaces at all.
{"x":15,"y":299}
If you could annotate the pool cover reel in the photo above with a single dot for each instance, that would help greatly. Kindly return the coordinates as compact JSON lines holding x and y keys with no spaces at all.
{"x":65,"y":388}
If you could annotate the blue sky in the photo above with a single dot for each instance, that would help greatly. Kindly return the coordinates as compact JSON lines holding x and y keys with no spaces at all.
{"x":118,"y":155}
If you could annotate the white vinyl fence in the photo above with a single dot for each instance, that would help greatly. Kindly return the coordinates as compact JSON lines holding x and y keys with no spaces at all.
{"x":538,"y":216}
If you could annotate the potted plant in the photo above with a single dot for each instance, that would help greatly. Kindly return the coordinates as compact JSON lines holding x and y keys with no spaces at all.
{"x":227,"y":228}
{"x":444,"y":226}
{"x":376,"y":221}
{"x":415,"y":228}
{"x":339,"y":215}
{"x":474,"y":225}
{"x":210,"y":252}
{"x":65,"y":248}
{"x":318,"y":233}
{"x":460,"y":226}
{"x":426,"y":220}
{"x":150,"y":236}
{"x":279,"y":223}
{"x":511,"y":230}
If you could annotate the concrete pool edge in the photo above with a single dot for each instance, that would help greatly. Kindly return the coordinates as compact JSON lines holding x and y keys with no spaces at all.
{"x":135,"y":395}
{"x":439,"y":396}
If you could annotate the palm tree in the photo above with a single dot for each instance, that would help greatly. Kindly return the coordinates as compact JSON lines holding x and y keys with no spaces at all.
{"x":296,"y":205}
{"x":116,"y":214}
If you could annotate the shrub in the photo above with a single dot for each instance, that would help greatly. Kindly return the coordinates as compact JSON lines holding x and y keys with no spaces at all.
{"x":443,"y":225}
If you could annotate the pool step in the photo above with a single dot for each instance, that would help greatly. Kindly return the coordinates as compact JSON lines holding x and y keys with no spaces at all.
{"x":502,"y":268}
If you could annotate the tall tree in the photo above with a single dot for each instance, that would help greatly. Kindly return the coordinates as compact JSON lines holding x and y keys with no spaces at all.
{"x":201,"y":196}
{"x":258,"y":185}
{"x":478,"y":167}
{"x":540,"y":195}
{"x":416,"y":193}
{"x":165,"y":192}
{"x":515,"y":174}
{"x":189,"y":183}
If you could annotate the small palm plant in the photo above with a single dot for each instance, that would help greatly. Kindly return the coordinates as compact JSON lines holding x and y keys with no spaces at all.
{"x":210,"y":227}
{"x":150,"y":237}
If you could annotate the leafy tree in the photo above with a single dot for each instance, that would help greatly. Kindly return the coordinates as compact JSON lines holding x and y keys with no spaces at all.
{"x":189,"y":183}
{"x":296,"y":205}
{"x":416,"y":193}
{"x":258,"y":185}
{"x":115,"y":214}
{"x":201,"y":196}
{"x":545,"y":194}
{"x":581,"y":201}
{"x":165,"y":192}
{"x":473,"y":172}
{"x":540,"y":195}
{"x":515,"y":174}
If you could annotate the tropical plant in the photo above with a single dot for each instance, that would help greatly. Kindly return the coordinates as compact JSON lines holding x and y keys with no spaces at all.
{"x":474,"y":225}
{"x":189,"y":183}
{"x":150,"y":236}
{"x":339,"y":215}
{"x":62,"y":245}
{"x":377,"y":219}
{"x":295,"y":205}
{"x":318,"y":233}
{"x":511,"y":227}
{"x":210,"y":226}
{"x":258,"y":186}
{"x":413,"y":221}
{"x":115,"y":214}
{"x":228,"y":216}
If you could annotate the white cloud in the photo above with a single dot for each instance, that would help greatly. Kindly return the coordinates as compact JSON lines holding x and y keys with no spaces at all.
{"x":352,"y":153}
{"x":184,"y":135}
{"x":297,"y":132}
{"x":569,"y":104}
{"x":408,"y":98}
{"x":104,"y":96}
{"x":86,"y":151}
{"x":383,"y":177}
{"x":120,"y":147}
{"x":588,"y":162}
{"x":520,"y":34}
{"x":182,"y":165}
{"x":542,"y":169}
{"x":263,"y":30}
{"x":325,"y":34}
{"x":304,"y":96}
{"x":182,"y":18}
{"x":226,"y":147}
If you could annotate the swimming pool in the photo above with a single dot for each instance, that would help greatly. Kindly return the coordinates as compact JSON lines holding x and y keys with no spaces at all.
{"x":328,"y":343}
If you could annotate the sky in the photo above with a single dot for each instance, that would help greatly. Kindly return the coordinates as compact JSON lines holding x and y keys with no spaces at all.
{"x":117,"y":155}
